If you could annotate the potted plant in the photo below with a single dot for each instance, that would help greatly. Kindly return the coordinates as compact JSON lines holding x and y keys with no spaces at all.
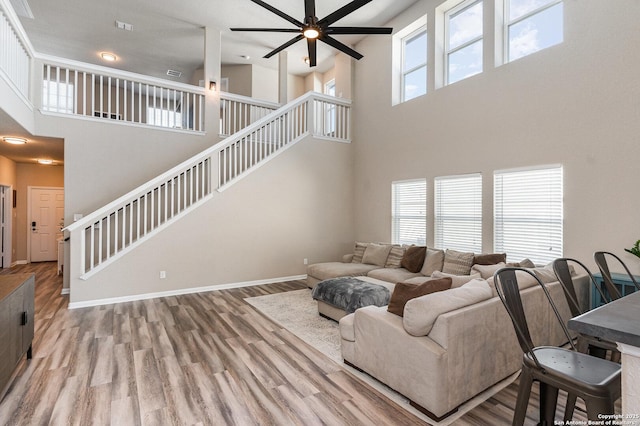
{"x":635,"y":250}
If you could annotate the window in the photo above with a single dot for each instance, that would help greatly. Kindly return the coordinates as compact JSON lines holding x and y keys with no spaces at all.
{"x":330,"y":120}
{"x":528,"y":213}
{"x":164,"y":117}
{"x":409,"y":212}
{"x":57,"y":97}
{"x":463,"y":41}
{"x":532,"y":25}
{"x":414,"y":64}
{"x":458,"y":212}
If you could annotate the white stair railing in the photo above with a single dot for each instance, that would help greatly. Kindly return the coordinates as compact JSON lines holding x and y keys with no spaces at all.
{"x":88,"y":91}
{"x":237,"y":112}
{"x":107,"y":234}
{"x":16,"y":53}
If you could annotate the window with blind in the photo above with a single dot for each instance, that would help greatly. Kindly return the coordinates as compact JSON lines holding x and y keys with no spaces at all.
{"x":458,"y":212}
{"x":409,"y":212}
{"x":528,"y":221}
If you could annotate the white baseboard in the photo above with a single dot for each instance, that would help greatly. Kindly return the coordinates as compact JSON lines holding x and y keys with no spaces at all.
{"x":112,"y":300}
{"x":19,"y":262}
{"x":65,"y":291}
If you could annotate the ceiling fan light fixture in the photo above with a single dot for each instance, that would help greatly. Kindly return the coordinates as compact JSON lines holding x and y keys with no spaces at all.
{"x":311,"y":32}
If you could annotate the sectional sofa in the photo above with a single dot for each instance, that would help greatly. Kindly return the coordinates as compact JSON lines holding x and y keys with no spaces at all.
{"x":451,"y":345}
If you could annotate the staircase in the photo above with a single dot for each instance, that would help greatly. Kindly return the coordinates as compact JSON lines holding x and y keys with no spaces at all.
{"x":110,"y":232}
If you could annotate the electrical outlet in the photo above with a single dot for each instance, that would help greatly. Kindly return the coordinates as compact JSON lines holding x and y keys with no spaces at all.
{"x":305,"y":261}
{"x":163,"y":275}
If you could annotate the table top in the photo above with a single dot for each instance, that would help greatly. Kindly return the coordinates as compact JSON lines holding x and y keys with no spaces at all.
{"x":10,"y":282}
{"x":617,"y":321}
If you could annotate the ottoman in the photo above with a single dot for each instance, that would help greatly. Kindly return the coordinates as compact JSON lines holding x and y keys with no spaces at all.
{"x":337,"y":297}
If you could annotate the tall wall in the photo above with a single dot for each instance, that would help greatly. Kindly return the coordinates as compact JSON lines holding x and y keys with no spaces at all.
{"x":576,"y":103}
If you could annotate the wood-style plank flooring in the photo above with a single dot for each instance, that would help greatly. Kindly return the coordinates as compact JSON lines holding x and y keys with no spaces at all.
{"x":199,"y":359}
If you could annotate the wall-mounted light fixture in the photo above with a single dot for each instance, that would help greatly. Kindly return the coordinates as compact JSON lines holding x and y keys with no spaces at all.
{"x":212,"y":85}
{"x":306,"y":60}
{"x":14,"y":141}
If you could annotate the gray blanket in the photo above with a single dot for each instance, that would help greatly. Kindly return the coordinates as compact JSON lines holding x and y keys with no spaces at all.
{"x":350,"y":293}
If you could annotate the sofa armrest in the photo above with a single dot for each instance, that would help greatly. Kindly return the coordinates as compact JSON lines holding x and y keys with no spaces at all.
{"x":347,"y":258}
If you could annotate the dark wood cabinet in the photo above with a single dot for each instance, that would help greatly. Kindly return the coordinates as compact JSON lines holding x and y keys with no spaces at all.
{"x":16,"y":323}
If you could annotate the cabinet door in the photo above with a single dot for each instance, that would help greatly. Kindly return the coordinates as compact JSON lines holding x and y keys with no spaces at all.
{"x":28,"y":294}
{"x":10,"y":335}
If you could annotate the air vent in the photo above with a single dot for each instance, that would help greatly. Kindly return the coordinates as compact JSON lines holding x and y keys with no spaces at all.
{"x":174,"y":73}
{"x":124,"y":26}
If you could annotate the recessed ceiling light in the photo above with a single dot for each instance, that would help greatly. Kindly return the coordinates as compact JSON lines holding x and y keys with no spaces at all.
{"x":245,"y":57}
{"x":110,"y":57}
{"x":44,"y":161}
{"x":15,"y":141}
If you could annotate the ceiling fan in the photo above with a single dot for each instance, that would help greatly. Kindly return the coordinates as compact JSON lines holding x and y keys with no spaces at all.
{"x":314,"y":29}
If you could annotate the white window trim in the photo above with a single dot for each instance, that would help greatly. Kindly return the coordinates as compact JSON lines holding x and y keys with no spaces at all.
{"x":477,"y":239}
{"x":508,"y":23}
{"x":397,"y":87}
{"x":464,"y":5}
{"x":395,"y":231}
{"x":404,"y":72}
{"x":71,"y":97}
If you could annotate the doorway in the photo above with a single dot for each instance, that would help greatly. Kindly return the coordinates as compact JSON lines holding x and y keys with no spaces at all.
{"x":45,"y":223}
{"x":5,"y":226}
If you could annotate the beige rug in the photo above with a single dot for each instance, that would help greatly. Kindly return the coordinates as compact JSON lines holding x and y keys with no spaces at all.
{"x":297,"y":312}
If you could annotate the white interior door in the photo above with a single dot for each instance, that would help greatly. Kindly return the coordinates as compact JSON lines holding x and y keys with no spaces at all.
{"x":47,"y":221}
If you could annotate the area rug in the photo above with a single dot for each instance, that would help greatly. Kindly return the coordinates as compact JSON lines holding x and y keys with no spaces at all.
{"x":298,"y":312}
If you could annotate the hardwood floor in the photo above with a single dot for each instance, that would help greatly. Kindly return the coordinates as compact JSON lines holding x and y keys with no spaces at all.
{"x":199,"y":359}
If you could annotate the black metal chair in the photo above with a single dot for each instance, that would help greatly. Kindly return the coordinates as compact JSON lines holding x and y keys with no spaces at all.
{"x":594,"y":380}
{"x":601,"y":260}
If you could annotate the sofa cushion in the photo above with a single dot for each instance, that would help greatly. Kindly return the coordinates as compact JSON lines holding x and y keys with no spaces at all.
{"x":358,"y":252}
{"x":404,"y":292}
{"x":490,"y":259}
{"x":326,"y":270}
{"x":394,"y":259}
{"x":525,"y":280}
{"x":457,"y":280}
{"x":433,"y":261}
{"x":413,"y":258}
{"x":346,"y":328}
{"x":487,"y":271}
{"x":457,"y":262}
{"x":420,"y":313}
{"x":524,"y":263}
{"x":376,"y":254}
{"x":393,"y":275}
{"x":545,"y":274}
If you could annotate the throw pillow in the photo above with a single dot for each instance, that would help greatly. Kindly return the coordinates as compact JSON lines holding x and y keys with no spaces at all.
{"x":376,"y":254}
{"x":457,"y":262}
{"x":432,"y":262}
{"x":358,"y":252}
{"x":525,"y":263}
{"x":394,"y":260}
{"x":422,"y":312}
{"x":413,"y":258}
{"x":490,"y":259}
{"x":404,"y":292}
{"x":487,"y":271}
{"x":457,"y":280}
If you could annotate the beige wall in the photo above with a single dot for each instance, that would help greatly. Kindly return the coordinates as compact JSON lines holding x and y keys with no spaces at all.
{"x":576,"y":104}
{"x":239,"y":77}
{"x":31,"y":175}
{"x":264,"y":83}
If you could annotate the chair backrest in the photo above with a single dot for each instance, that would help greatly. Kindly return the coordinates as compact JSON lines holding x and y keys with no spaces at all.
{"x":562,"y":271}
{"x":601,"y":260}
{"x":506,"y":282}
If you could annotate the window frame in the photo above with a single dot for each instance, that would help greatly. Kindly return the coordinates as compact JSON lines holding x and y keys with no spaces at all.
{"x":330,"y":109}
{"x":474,"y":184}
{"x":70,"y":96}
{"x":397,"y":220}
{"x":447,"y":52}
{"x":508,"y":24}
{"x":171,"y":115}
{"x":553,"y":218}
{"x":403,"y":72}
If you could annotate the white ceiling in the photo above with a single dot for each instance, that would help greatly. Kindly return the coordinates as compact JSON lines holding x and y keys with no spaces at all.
{"x":169,"y":34}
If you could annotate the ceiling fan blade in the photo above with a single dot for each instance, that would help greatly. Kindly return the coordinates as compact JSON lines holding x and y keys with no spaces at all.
{"x":311,"y":45}
{"x":279,"y":13}
{"x":269,"y":30}
{"x":284,"y":46}
{"x":340,"y":46}
{"x":309,"y":11}
{"x":342,"y":12}
{"x":359,"y":30}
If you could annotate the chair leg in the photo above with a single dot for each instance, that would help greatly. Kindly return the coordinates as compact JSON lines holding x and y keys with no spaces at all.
{"x":548,"y":402}
{"x":598,"y":406}
{"x":524,"y":391}
{"x":571,"y":404}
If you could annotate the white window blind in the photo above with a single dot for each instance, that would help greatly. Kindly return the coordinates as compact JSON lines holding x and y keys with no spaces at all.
{"x":409,"y":212}
{"x":528,"y":221}
{"x":458,"y":212}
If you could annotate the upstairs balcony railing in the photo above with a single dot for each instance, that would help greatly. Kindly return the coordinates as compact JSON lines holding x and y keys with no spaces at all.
{"x":237,"y":112}
{"x":15,"y":56}
{"x":103,"y":93}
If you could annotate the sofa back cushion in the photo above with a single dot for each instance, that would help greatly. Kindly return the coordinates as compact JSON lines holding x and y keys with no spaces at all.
{"x":358,"y":252}
{"x":487,"y":271}
{"x":404,"y":292}
{"x":413,"y":258}
{"x":432,"y":262}
{"x":394,"y":259}
{"x":420,"y":313}
{"x":490,"y":259}
{"x":376,"y":254}
{"x":457,"y":280}
{"x":457,"y":262}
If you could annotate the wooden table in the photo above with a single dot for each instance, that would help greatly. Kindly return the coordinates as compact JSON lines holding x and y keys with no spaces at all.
{"x":619,"y":321}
